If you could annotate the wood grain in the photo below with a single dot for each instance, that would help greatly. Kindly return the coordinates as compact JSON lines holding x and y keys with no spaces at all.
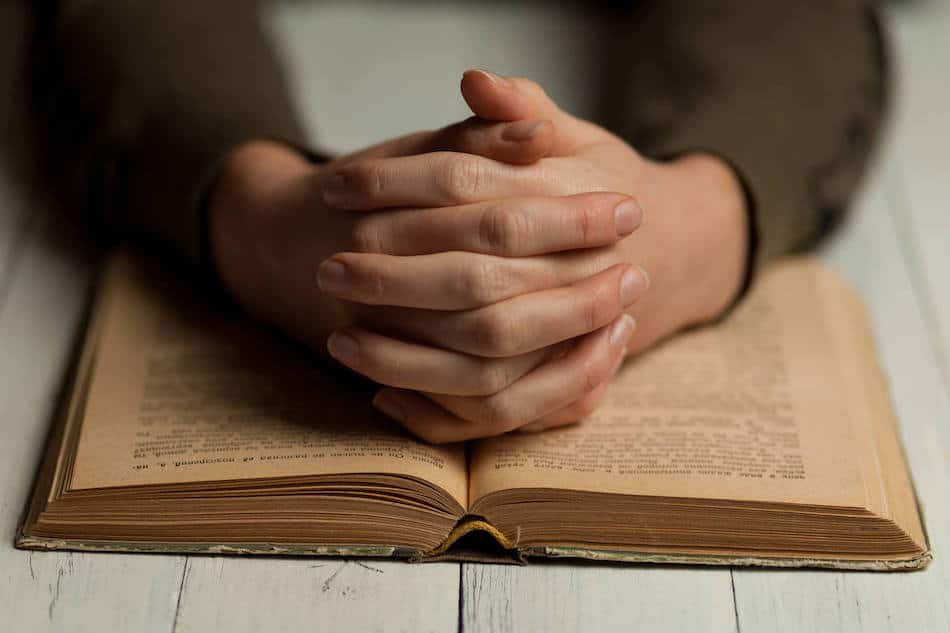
{"x":244,"y":594}
{"x":555,"y":597}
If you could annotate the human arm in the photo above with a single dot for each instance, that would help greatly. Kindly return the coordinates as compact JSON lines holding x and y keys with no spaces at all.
{"x":140,"y":102}
{"x":790,"y":95}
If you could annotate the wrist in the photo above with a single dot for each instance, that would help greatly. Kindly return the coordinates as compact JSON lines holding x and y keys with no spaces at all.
{"x":714,"y":228}
{"x":241,"y":210}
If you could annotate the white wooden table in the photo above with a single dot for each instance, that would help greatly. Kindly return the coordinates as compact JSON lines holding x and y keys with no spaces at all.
{"x":896,"y":250}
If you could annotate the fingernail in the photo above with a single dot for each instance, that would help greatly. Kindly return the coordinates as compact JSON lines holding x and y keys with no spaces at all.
{"x":334,"y":189}
{"x":627,"y":217}
{"x":387,"y":403}
{"x":621,"y":331}
{"x":521,"y":131}
{"x":492,"y":76}
{"x":331,"y":275}
{"x":344,"y":348}
{"x":632,"y":286}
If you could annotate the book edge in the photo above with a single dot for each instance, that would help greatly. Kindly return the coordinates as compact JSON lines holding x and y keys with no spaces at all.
{"x":919,"y":561}
{"x":519,"y":556}
{"x":28,"y":542}
{"x":895,"y":422}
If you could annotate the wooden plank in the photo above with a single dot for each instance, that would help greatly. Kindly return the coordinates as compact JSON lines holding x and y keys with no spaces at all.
{"x":555,"y":597}
{"x":822,"y":601}
{"x":52,"y":591}
{"x":287,"y":594}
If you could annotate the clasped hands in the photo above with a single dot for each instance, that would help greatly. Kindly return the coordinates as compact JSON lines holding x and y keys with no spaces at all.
{"x":487,"y":274}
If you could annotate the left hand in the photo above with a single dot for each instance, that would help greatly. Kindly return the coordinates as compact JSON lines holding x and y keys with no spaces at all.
{"x":694,"y":245}
{"x":268,"y":228}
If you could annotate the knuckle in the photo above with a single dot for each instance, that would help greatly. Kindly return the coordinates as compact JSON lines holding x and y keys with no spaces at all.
{"x":503,"y":231}
{"x":372,"y":283}
{"x":531,"y":87}
{"x":495,"y":333}
{"x":365,"y":236}
{"x":493,"y":377}
{"x":459,"y":178}
{"x":368,"y":178}
{"x":484,"y":283}
{"x":583,"y":223}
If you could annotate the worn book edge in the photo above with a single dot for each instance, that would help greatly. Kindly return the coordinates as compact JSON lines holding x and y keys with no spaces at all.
{"x":25,"y":541}
{"x":517,"y":556}
{"x":917,"y":562}
{"x":449,"y":550}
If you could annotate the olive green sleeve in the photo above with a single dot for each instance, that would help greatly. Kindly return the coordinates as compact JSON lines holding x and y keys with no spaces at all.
{"x":791,"y":94}
{"x":140,"y":101}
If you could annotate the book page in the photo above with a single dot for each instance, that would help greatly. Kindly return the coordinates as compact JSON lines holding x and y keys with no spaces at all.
{"x":186,"y":391}
{"x":752,"y":408}
{"x":889,"y":487}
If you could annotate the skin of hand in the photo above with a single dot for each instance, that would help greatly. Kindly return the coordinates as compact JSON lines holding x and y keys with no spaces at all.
{"x":268,"y":228}
{"x":549,"y":268}
{"x":494,"y":296}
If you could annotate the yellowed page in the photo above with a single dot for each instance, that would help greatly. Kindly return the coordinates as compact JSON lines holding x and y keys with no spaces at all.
{"x":889,"y":487}
{"x":183,"y":391}
{"x":750,"y":409}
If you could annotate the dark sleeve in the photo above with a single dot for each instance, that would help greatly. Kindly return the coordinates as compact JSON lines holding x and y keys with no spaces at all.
{"x":140,"y":100}
{"x":791,"y":94}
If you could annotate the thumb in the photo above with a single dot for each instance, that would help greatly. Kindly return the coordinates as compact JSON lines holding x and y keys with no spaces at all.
{"x":496,"y":98}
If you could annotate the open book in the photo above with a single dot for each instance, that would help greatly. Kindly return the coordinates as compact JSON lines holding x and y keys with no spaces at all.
{"x":767,"y":439}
